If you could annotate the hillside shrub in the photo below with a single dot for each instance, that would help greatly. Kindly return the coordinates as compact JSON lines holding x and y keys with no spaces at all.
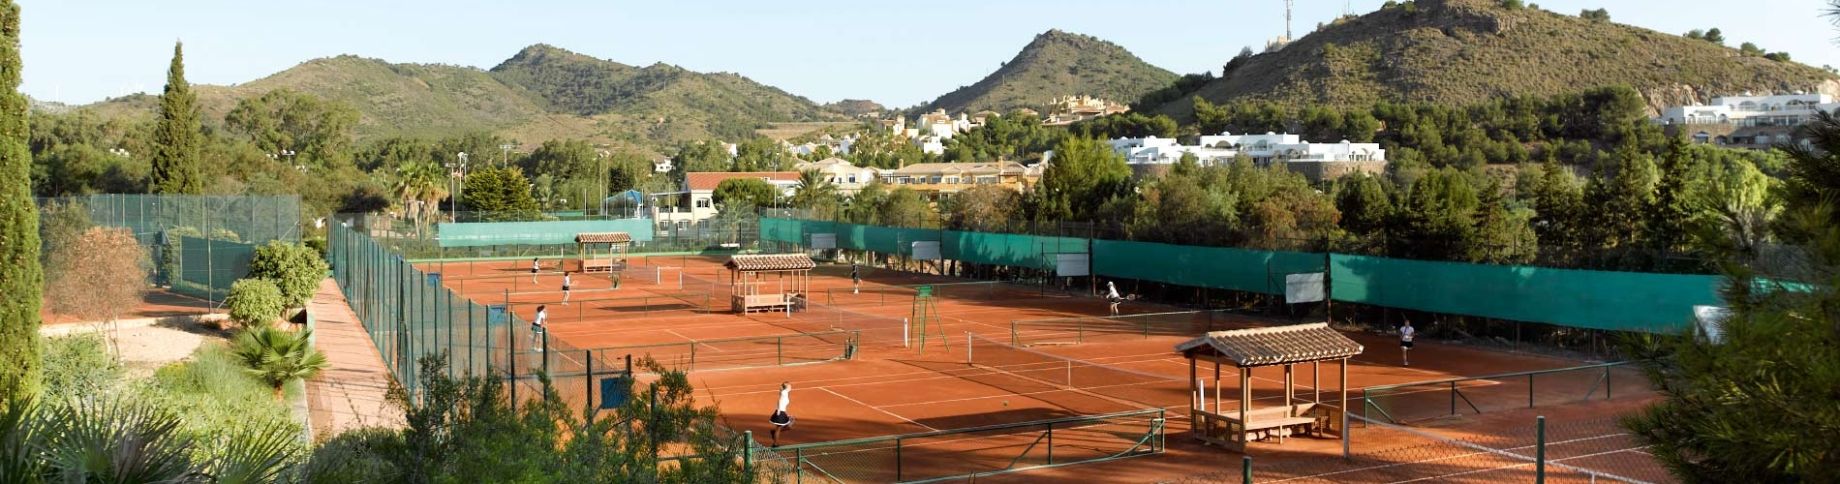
{"x":295,"y":269}
{"x":255,"y":302}
{"x":78,"y":366}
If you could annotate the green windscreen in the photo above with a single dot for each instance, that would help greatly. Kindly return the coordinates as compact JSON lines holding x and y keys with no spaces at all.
{"x":1015,"y":250}
{"x":468,"y":234}
{"x":1624,"y":301}
{"x":1212,"y":267}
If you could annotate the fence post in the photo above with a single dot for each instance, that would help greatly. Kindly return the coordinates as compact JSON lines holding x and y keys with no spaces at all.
{"x":779,"y":351}
{"x":1607,"y":385}
{"x":897,"y":459}
{"x":589,"y":383}
{"x":747,"y":451}
{"x":1539,"y":452}
{"x":1245,"y":469}
{"x":798,"y":465}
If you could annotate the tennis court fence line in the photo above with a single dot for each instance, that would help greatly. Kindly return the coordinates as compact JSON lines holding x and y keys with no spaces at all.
{"x":969,"y":453}
{"x":1589,"y":450}
{"x":1024,"y":370}
{"x":1412,"y":402}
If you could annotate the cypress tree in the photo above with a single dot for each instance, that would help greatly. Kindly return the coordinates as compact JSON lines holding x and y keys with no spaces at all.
{"x":21,"y":277}
{"x":177,"y":137}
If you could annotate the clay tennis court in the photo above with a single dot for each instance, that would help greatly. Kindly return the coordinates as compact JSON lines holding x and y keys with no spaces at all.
{"x":968,"y":375}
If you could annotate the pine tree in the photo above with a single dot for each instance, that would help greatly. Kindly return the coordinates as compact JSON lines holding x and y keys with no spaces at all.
{"x":21,"y":277}
{"x":177,"y":136}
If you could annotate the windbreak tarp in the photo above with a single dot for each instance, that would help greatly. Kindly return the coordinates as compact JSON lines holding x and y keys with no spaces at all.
{"x":1622,"y":301}
{"x":1258,"y":271}
{"x":470,"y":234}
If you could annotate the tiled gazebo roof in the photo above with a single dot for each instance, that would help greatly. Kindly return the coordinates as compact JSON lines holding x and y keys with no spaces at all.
{"x":1278,"y":345}
{"x":603,"y":238}
{"x":770,"y":262}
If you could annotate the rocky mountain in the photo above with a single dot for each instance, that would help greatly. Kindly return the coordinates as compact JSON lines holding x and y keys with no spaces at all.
{"x":1465,"y":51}
{"x":1057,"y":64}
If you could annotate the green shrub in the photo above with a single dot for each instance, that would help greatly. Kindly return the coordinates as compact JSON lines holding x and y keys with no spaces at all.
{"x":78,"y":365}
{"x":277,"y":356}
{"x":222,"y":405}
{"x":255,"y":302}
{"x":294,"y":268}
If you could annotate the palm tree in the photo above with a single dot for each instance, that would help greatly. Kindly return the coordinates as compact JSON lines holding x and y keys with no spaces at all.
{"x":420,"y":186}
{"x":278,"y":356}
{"x":814,"y":187}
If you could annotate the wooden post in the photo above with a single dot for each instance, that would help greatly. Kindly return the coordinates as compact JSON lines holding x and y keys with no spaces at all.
{"x":1194,"y":394}
{"x":1245,"y":402}
{"x":1316,"y":381}
{"x":1216,"y":385}
{"x":1343,"y":388}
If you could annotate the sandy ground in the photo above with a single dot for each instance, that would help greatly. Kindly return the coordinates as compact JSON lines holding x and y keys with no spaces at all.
{"x":145,"y":345}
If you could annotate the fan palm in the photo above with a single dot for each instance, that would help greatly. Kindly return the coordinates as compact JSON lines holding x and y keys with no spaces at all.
{"x":123,"y":441}
{"x":278,"y":356}
{"x":813,"y":188}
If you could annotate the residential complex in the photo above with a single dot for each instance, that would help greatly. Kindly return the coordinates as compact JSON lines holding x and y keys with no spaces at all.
{"x":1747,"y":121}
{"x":1319,"y":161}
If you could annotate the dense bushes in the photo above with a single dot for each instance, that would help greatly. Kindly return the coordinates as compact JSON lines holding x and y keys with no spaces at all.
{"x":295,"y":269}
{"x":255,"y":302}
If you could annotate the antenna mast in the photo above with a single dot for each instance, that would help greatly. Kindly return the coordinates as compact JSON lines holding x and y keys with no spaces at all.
{"x":1287,"y":20}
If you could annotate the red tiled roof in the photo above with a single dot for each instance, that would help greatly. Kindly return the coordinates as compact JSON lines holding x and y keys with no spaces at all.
{"x":1276,"y":345}
{"x":770,"y":262}
{"x":707,"y":180}
{"x":603,"y":238}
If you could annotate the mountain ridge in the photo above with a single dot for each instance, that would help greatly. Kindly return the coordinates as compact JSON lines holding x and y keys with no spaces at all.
{"x":1058,"y":63}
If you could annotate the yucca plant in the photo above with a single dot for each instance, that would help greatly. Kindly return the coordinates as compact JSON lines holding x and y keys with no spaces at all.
{"x":278,"y":356}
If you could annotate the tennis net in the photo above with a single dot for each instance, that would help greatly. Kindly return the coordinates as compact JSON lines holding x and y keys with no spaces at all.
{"x":1086,"y":329}
{"x":874,"y":294}
{"x":746,"y":352}
{"x":1025,"y":371}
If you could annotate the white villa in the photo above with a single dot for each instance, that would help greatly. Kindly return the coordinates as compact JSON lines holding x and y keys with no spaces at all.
{"x":848,"y":178}
{"x":1320,"y":159}
{"x":1748,"y":110}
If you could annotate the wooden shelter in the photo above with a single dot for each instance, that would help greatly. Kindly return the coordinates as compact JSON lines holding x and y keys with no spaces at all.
{"x":1246,"y":349}
{"x":589,"y":259}
{"x":749,"y":281}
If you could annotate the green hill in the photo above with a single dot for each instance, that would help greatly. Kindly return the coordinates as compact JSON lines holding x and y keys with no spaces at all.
{"x":1466,"y":51}
{"x":541,"y":93}
{"x":1056,"y":64}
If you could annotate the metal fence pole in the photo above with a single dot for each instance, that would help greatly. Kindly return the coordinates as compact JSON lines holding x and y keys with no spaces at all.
{"x":1050,"y":443}
{"x":1539,"y":456}
{"x":897,"y":459}
{"x":588,"y":383}
{"x":1245,"y":469}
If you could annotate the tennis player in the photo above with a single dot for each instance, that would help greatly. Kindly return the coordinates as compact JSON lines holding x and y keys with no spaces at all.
{"x":537,"y":328}
{"x":1111,"y":296}
{"x":780,"y":419}
{"x":535,"y":267}
{"x":1406,"y":333}
{"x":565,"y":288}
{"x":855,"y":280}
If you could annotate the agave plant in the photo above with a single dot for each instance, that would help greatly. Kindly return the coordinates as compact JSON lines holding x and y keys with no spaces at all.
{"x":278,"y":356}
{"x":121,"y":441}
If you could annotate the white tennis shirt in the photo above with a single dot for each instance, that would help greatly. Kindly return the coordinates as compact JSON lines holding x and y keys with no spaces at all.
{"x":785,"y":397}
{"x":1406,"y":333}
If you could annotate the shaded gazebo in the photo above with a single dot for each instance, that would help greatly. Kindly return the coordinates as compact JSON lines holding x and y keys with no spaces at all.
{"x":1246,"y":349}
{"x":749,"y":276}
{"x":589,"y":258}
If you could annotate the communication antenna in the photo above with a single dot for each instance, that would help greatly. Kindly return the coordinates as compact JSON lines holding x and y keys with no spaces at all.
{"x":1287,"y":20}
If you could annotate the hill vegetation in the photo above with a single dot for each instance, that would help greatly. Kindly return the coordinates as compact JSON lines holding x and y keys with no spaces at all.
{"x":1058,"y":63}
{"x":1463,"y":52}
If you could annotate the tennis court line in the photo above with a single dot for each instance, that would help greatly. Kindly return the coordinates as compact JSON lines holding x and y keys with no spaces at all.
{"x":878,"y":409}
{"x":1517,"y":456}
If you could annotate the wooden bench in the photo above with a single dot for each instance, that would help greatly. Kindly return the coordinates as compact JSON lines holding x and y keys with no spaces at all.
{"x":761,"y":302}
{"x":1260,"y":424}
{"x":600,"y":265}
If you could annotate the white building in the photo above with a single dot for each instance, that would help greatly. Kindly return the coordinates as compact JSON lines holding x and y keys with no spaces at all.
{"x":696,"y":204}
{"x":848,"y":178}
{"x":931,"y":145}
{"x":1263,"y":149}
{"x":662,"y":165}
{"x":1748,"y":110}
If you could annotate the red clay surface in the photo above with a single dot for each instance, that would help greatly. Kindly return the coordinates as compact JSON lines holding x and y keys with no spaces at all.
{"x":892,"y":388}
{"x":157,"y":303}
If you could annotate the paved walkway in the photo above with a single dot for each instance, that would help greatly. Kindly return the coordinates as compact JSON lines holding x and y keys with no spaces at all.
{"x":350,"y":393}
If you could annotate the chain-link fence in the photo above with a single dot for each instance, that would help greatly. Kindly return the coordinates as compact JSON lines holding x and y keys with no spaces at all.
{"x":199,"y":245}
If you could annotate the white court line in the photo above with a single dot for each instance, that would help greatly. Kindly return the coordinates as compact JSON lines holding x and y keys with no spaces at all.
{"x":878,"y":409}
{"x":1445,"y":458}
{"x":691,"y":341}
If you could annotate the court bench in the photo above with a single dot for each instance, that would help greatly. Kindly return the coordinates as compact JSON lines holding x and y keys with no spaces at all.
{"x":1228,"y":430}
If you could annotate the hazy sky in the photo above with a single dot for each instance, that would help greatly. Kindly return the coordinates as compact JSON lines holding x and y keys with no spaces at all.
{"x":898,"y":53}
